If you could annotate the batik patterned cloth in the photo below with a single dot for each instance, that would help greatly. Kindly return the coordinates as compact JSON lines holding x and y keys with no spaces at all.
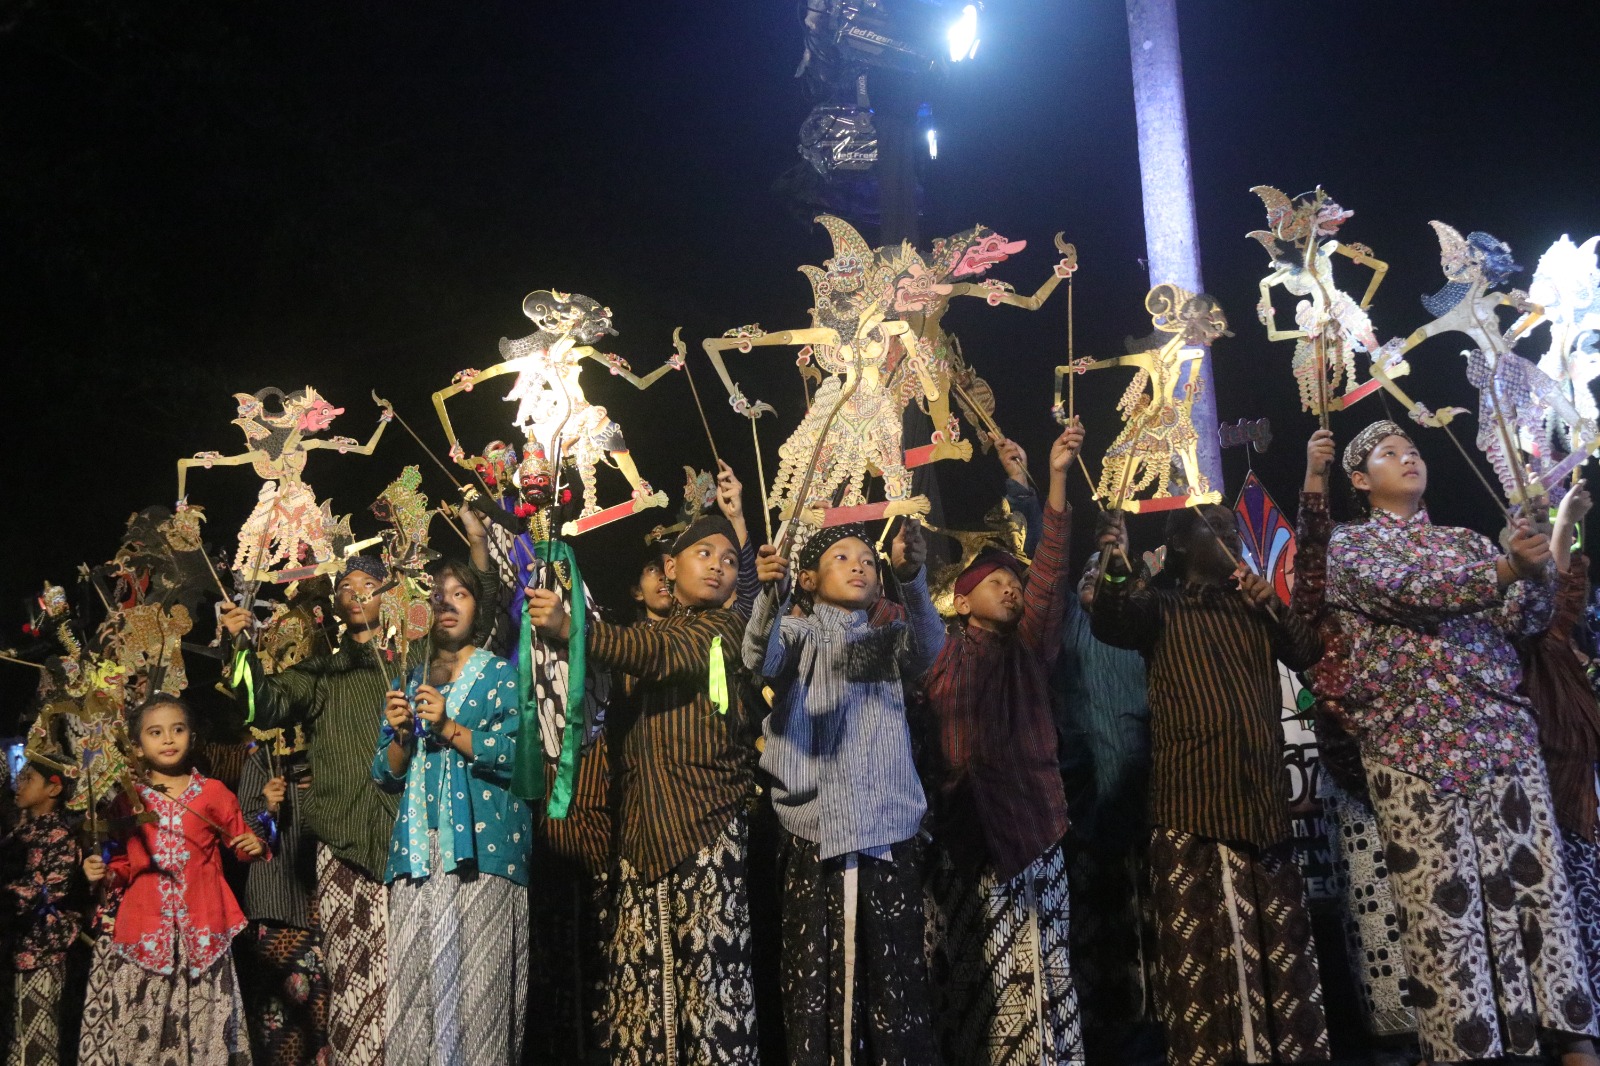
{"x":1001,"y":964}
{"x":1434,"y":685}
{"x":1109,"y":889}
{"x":1581,"y":860}
{"x":137,"y":1017}
{"x":1368,"y":913}
{"x":33,"y":1025}
{"x":853,"y":958}
{"x":682,"y":987}
{"x":458,"y":968}
{"x":284,"y":978}
{"x":353,"y":913}
{"x":1490,"y":937}
{"x":1236,"y":970}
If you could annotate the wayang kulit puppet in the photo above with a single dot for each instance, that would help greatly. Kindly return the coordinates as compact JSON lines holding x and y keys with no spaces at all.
{"x":877,"y":335}
{"x":1566,"y":290}
{"x":1518,"y":403}
{"x":1158,"y":437}
{"x":288,"y":535}
{"x":1331,"y":327}
{"x":559,"y":426}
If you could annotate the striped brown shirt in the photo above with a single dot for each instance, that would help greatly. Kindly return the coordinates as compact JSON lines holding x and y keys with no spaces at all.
{"x":683,"y":769}
{"x":583,"y":837}
{"x":1217,"y":743}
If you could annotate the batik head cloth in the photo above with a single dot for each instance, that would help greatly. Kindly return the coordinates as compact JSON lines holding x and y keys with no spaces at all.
{"x":1357,"y":450}
{"x":827,"y":537}
{"x":370,"y":565}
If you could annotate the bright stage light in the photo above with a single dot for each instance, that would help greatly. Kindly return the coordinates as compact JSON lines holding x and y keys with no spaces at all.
{"x":933,"y":144}
{"x":963,"y":34}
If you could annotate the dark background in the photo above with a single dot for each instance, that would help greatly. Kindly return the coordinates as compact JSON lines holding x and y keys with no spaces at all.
{"x":203,"y":199}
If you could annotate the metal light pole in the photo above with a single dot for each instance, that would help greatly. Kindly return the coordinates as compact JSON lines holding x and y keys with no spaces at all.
{"x":1172,"y":240}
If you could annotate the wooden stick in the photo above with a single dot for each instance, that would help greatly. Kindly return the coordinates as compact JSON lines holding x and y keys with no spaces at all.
{"x":166,"y":790}
{"x":20,"y":662}
{"x":761,"y":482}
{"x":1072,"y":384}
{"x":1490,"y":489}
{"x":387,"y":406}
{"x":695,"y":392}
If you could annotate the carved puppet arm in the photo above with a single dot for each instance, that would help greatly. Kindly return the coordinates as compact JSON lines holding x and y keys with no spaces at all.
{"x":210,"y":459}
{"x":715,"y":346}
{"x":616,"y":365}
{"x":466,"y":381}
{"x":343,"y":444}
{"x":1361,"y":254}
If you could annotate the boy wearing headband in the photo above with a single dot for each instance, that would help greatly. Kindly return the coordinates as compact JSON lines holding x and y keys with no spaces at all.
{"x":999,"y":880}
{"x":1451,"y":754}
{"x":846,"y":793}
{"x":682,"y":987}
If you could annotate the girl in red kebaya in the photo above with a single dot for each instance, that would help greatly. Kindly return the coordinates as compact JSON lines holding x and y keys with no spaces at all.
{"x":172,"y":993}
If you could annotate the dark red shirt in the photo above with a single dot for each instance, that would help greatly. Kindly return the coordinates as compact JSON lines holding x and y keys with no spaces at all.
{"x":996,"y":791}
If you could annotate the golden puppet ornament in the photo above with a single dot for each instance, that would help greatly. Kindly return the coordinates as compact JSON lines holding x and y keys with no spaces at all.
{"x":1158,"y":440}
{"x":1331,"y":328}
{"x":557,"y":421}
{"x":288,"y":535}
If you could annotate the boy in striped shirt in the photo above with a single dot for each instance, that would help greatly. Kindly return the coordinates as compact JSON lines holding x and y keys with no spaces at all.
{"x":682,"y":988}
{"x":846,"y":793}
{"x":1236,"y":968}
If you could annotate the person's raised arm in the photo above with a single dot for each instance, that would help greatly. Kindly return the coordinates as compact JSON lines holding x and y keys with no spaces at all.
{"x":1313,"y":527}
{"x":1044,"y":597}
{"x":679,"y":653}
{"x":925,"y":633}
{"x":1387,"y":581}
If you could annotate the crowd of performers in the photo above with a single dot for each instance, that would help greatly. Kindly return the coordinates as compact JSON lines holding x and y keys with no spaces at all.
{"x":1053,"y":829}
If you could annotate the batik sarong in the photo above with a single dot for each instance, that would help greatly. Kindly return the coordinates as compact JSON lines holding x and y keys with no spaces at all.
{"x":353,"y":914}
{"x":1581,"y":860}
{"x":1109,"y":888}
{"x":1000,"y":963}
{"x":682,"y":992}
{"x":1236,"y":967}
{"x":1368,"y":915}
{"x":1488,"y":927}
{"x":136,"y":1017}
{"x":458,"y":968}
{"x":33,"y":1023}
{"x":854,"y":972}
{"x":284,"y":978}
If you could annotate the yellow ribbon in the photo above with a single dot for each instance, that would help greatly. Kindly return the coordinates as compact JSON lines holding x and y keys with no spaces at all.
{"x":719,"y":678}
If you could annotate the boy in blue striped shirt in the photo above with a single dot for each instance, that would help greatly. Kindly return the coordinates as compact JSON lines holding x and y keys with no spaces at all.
{"x":846,"y":793}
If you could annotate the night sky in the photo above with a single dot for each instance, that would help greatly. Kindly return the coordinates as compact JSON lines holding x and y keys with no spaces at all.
{"x":203,"y":199}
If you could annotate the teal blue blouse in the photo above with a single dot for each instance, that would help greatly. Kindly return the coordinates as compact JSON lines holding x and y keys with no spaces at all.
{"x":480,"y":823}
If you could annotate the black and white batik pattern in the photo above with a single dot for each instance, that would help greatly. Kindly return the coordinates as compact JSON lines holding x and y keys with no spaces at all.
{"x":1368,"y":913}
{"x":1001,"y":965}
{"x":1581,"y":858}
{"x":1489,"y":931}
{"x":682,"y":987}
{"x":34,"y":1026}
{"x":853,"y":962}
{"x":353,"y":912}
{"x":458,"y":968}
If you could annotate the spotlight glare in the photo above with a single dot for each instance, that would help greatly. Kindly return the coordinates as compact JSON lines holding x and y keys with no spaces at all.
{"x":963,"y":34}
{"x":933,"y":144}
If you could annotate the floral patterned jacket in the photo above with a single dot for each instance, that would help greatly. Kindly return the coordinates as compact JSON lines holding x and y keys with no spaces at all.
{"x":37,"y":864}
{"x":1434,"y":677}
